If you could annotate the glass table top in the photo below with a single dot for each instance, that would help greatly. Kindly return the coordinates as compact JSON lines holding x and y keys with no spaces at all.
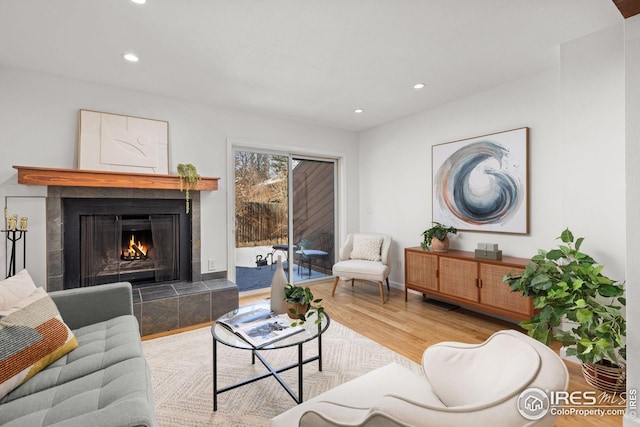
{"x":311,"y":330}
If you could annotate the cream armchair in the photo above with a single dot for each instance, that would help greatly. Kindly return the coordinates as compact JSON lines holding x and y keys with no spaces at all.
{"x":463,"y":385}
{"x":364,"y":256}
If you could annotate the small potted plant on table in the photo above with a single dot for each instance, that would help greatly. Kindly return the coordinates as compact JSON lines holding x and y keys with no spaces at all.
{"x":300,"y":303}
{"x":304,"y":244}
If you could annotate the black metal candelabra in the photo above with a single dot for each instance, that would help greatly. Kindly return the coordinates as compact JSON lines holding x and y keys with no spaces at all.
{"x":14,"y":235}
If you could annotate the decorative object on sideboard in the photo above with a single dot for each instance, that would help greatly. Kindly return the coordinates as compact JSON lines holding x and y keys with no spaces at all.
{"x":14,"y":233}
{"x":119,"y":143}
{"x":567,"y":284}
{"x":488,"y":251}
{"x":437,"y":237}
{"x":300,"y":304}
{"x":189,"y":179}
{"x":481,"y":183}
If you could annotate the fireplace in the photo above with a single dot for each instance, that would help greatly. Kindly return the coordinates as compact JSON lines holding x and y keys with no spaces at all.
{"x":193,"y":299}
{"x":142,"y":241}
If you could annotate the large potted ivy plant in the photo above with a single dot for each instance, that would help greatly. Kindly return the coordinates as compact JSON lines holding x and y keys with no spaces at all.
{"x":567,"y":284}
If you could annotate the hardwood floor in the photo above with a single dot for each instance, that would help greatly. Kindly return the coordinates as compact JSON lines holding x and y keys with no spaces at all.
{"x":408,"y":328}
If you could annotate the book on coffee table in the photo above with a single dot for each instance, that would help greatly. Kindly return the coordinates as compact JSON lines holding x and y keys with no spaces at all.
{"x":260,"y":327}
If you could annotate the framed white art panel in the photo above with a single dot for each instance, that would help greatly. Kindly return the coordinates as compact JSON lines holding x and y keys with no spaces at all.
{"x":117,"y":143}
{"x":481,"y":183}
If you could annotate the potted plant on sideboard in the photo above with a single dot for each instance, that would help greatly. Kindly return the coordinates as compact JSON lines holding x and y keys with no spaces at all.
{"x":568,"y":284}
{"x":437,"y":237}
{"x":300,"y":303}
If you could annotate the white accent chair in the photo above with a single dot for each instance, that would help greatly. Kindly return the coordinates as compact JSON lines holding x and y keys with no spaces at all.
{"x":463,"y":385}
{"x":364,"y":256}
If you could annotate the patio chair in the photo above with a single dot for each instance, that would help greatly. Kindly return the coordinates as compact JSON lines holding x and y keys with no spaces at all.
{"x":323,"y":252}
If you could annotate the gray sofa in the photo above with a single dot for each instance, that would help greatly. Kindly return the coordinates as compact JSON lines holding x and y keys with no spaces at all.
{"x":104,"y":382}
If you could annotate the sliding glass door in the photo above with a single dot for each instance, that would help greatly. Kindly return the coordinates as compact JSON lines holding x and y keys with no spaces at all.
{"x":313,"y":214}
{"x":284,"y":209}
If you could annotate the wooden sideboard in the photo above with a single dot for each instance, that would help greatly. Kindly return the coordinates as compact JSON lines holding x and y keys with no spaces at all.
{"x":461,"y":278}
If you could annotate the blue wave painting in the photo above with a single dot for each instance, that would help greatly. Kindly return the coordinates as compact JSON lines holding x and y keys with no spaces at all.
{"x":481,"y":187}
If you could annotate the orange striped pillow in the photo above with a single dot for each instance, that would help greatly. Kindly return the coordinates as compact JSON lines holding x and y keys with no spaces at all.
{"x":32,"y":336}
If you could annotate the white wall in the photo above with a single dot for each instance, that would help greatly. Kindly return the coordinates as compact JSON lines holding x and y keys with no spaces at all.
{"x":593,"y":145}
{"x":632,"y":56}
{"x":576,"y":156}
{"x":39,"y":119}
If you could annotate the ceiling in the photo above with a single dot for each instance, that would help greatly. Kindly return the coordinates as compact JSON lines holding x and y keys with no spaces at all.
{"x":308,"y":60}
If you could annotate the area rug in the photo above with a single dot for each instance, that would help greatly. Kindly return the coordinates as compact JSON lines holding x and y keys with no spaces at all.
{"x":181,"y":369}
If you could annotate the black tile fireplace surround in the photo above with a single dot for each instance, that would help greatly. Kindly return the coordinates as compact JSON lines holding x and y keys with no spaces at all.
{"x":142,"y":241}
{"x":164,"y":306}
{"x":55,"y":225}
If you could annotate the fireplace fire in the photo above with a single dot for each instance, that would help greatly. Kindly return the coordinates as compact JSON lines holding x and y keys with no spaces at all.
{"x":135,"y":250}
{"x":137,"y":261}
{"x":137,"y":239}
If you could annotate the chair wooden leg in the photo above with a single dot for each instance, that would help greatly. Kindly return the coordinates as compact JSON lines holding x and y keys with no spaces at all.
{"x":381,"y":291}
{"x":388,"y":287}
{"x":335,"y":283}
{"x":352,"y":282}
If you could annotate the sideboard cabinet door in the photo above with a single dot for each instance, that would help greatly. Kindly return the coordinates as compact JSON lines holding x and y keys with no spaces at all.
{"x":496,"y":293}
{"x":420,"y":271}
{"x":459,"y":278}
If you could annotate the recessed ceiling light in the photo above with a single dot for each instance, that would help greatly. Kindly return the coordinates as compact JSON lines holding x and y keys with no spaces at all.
{"x":139,"y":1}
{"x":418,"y":85}
{"x":130,"y":57}
{"x":358,"y":110}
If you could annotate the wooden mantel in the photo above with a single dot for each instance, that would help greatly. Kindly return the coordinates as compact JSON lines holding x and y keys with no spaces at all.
{"x":104,"y":179}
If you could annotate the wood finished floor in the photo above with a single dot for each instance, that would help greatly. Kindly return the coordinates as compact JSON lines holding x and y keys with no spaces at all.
{"x":410,"y":327}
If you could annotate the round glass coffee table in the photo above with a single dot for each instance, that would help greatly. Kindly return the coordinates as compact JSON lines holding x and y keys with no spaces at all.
{"x":222,"y":334}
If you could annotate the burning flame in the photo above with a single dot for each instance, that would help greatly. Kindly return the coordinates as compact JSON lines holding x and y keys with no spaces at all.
{"x":138,"y":248}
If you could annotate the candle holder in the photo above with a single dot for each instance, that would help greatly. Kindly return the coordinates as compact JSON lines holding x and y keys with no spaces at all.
{"x":13,"y":235}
